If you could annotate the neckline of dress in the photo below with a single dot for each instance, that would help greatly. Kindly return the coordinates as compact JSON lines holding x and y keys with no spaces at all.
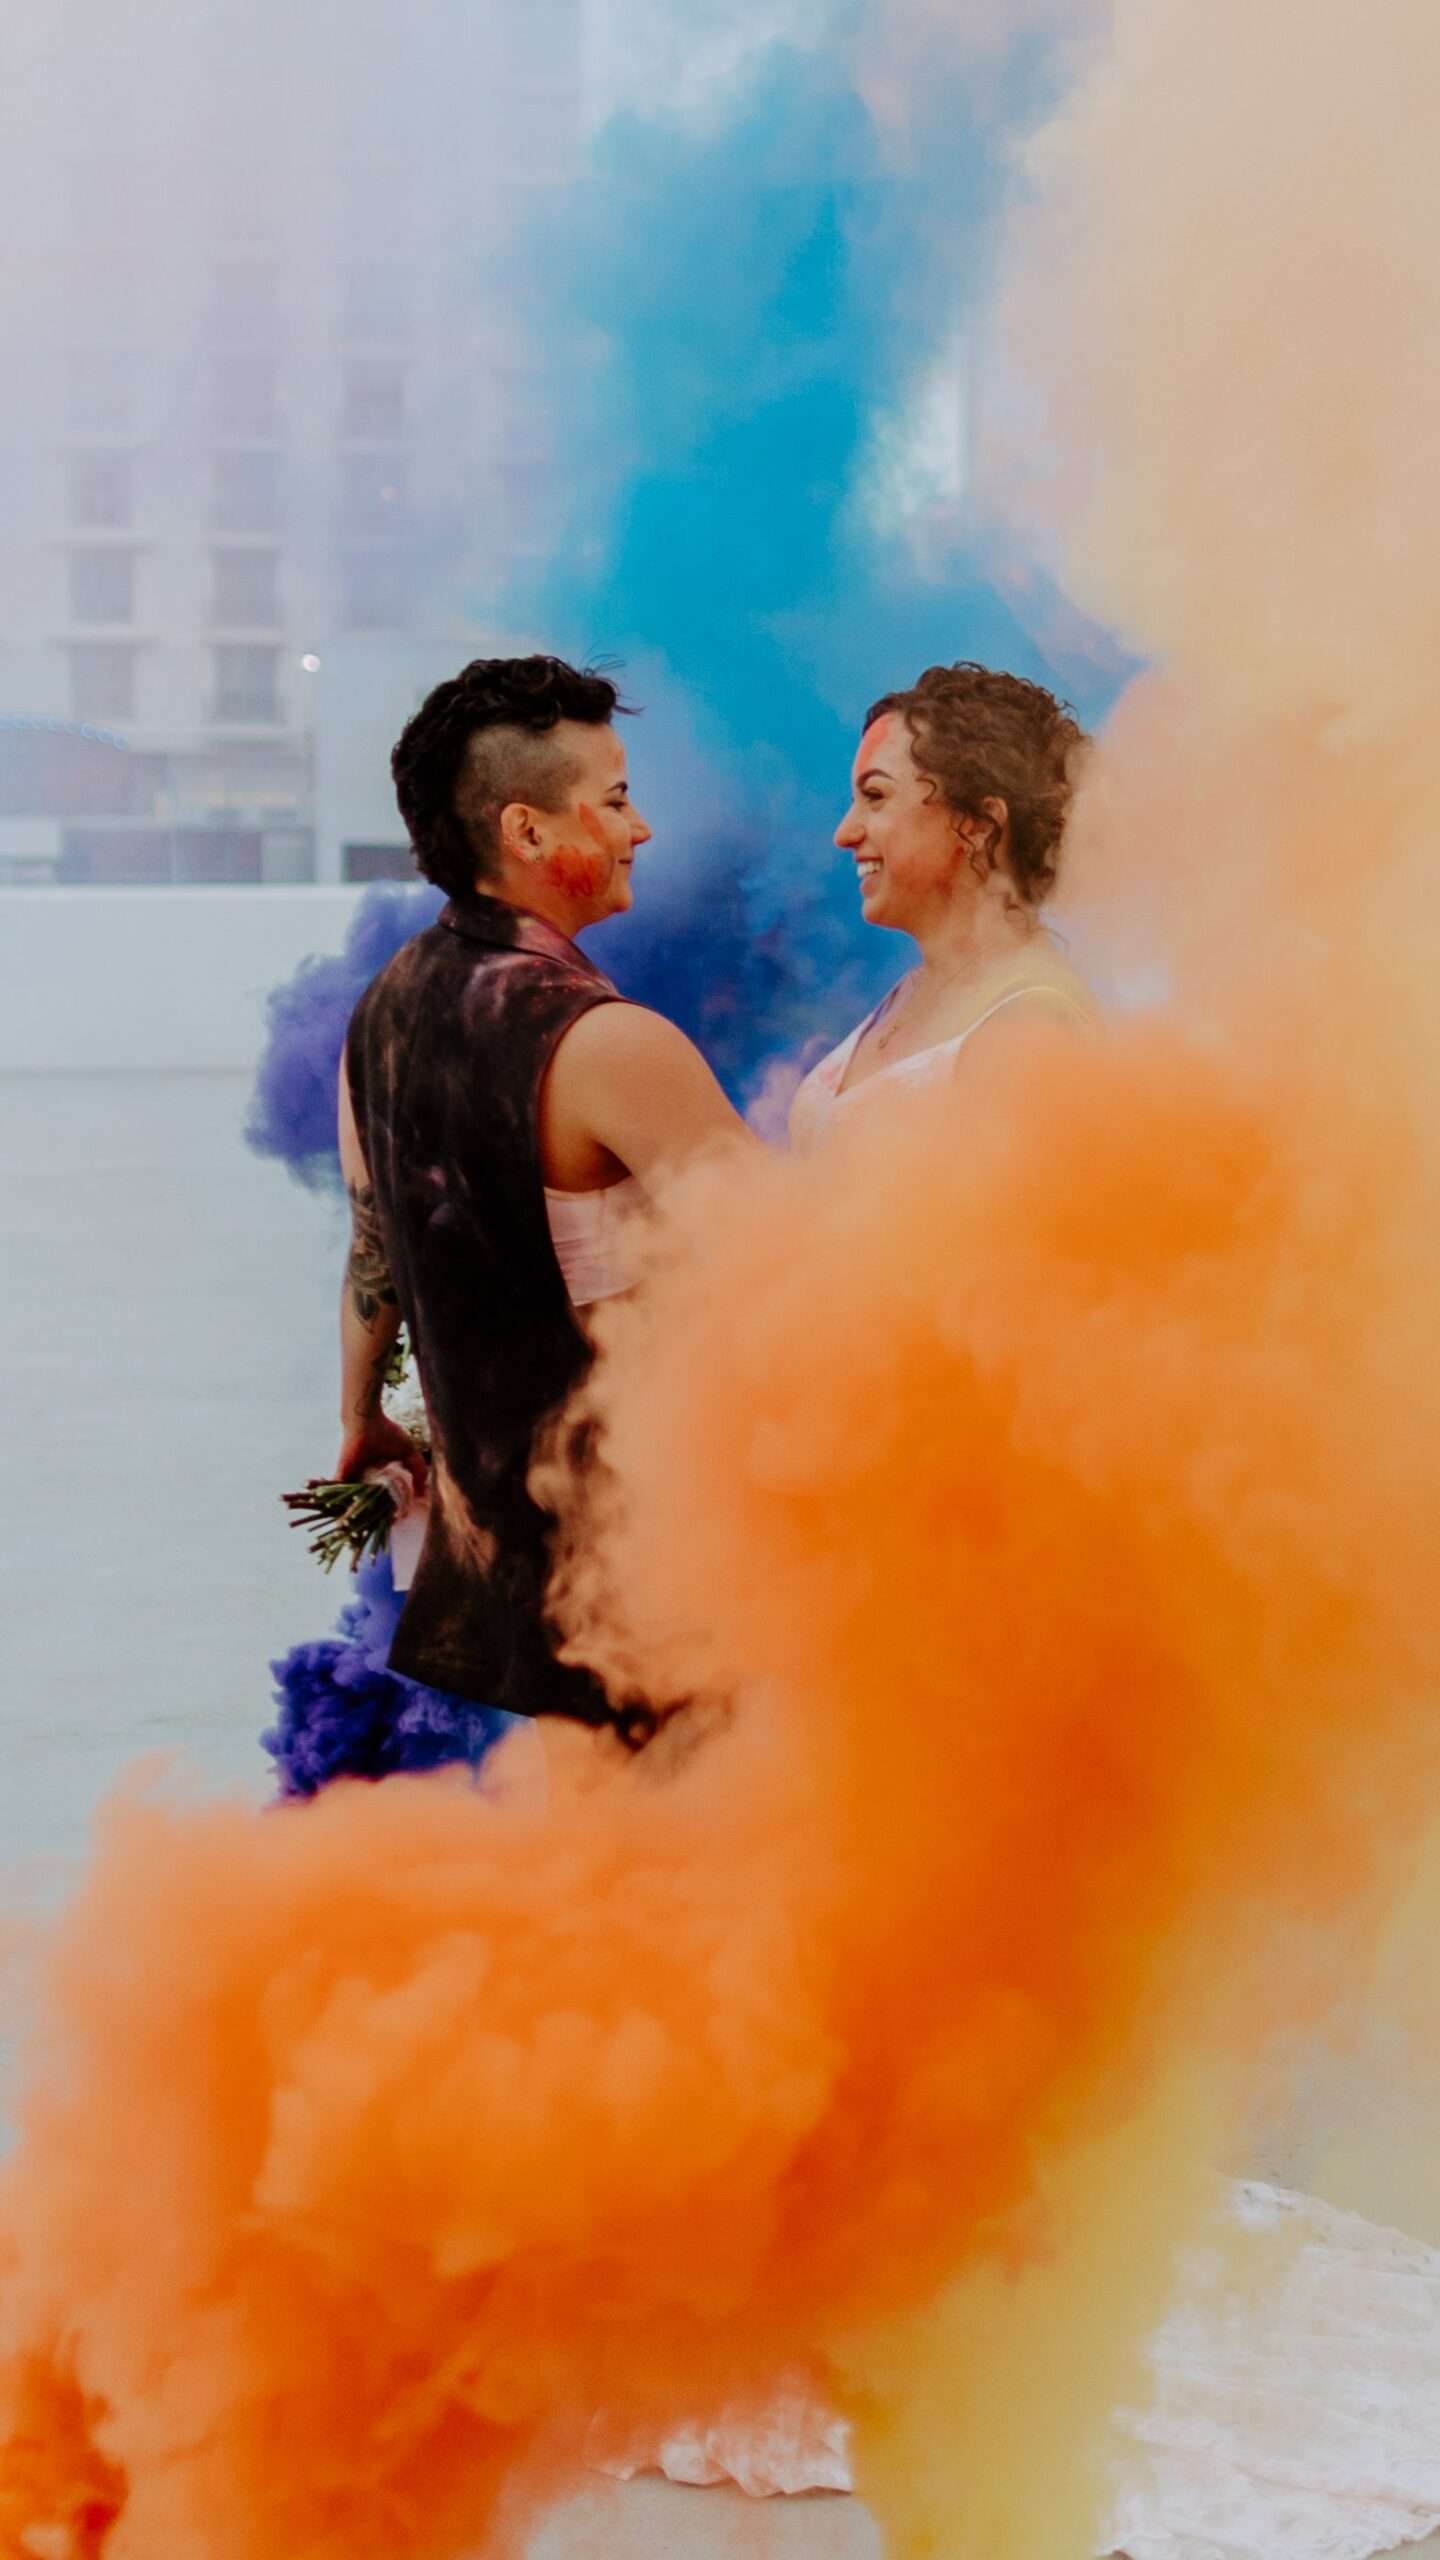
{"x":894,"y":1066}
{"x":936,"y":1048}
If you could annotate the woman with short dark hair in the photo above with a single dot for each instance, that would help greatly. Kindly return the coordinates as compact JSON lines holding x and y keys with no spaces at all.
{"x":504,"y":1114}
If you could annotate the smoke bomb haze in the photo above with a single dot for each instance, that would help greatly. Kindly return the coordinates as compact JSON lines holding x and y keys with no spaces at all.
{"x":1035,"y":1488}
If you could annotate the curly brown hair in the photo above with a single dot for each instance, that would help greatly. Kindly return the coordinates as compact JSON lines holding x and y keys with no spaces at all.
{"x":981,"y":735}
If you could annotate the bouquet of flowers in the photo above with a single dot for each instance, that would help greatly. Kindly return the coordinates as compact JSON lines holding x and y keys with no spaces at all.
{"x":355,"y":1519}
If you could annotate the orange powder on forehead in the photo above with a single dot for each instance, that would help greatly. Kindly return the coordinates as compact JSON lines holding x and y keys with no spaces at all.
{"x":879,"y":738}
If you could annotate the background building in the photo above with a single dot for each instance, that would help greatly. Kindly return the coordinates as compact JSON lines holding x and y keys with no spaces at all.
{"x":268,"y":433}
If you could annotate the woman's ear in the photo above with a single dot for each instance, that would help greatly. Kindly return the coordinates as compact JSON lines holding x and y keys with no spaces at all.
{"x":519,"y":834}
{"x":997,"y":815}
{"x":983,"y":839}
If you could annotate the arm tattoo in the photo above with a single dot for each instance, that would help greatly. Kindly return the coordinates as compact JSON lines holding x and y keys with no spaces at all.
{"x":367,"y":1271}
{"x":372,"y":1394}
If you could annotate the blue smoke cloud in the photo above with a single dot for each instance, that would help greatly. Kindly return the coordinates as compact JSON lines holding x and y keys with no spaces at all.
{"x":764,"y":298}
{"x":727,"y":320}
{"x":342,"y":1714}
{"x":291,"y":1113}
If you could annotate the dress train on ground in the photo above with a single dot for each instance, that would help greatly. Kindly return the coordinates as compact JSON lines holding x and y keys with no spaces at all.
{"x":1295,"y":2413}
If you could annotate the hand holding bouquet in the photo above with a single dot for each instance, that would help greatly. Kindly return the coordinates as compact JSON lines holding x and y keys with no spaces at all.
{"x":383,"y":1474}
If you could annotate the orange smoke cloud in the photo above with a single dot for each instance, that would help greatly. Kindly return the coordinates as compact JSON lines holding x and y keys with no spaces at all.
{"x":1072,"y":1629}
{"x":1042,"y":1479}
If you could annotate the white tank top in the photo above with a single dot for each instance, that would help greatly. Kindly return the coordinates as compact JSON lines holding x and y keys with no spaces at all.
{"x":594,"y":1239}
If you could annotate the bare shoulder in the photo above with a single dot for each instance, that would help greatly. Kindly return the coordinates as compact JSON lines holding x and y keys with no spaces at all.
{"x":626,"y":1081}
{"x":1037,"y":1012}
{"x":623,"y":1030}
{"x":625,"y":1041}
{"x":1048,"y":1004}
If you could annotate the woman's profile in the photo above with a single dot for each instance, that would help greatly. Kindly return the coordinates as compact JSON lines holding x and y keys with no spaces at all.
{"x":960,"y":793}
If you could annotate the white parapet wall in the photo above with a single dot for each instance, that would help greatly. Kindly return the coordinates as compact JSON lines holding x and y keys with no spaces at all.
{"x":152,"y":978}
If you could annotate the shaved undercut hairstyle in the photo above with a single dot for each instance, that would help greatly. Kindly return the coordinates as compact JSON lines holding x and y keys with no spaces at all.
{"x":481,"y":740}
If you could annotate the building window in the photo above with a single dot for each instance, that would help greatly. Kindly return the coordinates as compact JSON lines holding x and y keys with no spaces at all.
{"x":372,"y":596}
{"x":375,"y":302}
{"x":287,"y":853}
{"x":245,"y":589}
{"x":372,"y":491}
{"x":243,"y":297}
{"x":99,"y":389}
{"x":373,"y":402}
{"x":102,"y":586}
{"x":246,"y":492}
{"x":116,"y":857}
{"x":102,"y":492}
{"x":243,"y":396}
{"x":246,"y":684}
{"x":205,"y":855}
{"x":377,"y":862}
{"x":102,"y":680}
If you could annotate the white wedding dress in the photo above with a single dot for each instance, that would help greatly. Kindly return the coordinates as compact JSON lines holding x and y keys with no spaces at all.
{"x":1294,"y":2412}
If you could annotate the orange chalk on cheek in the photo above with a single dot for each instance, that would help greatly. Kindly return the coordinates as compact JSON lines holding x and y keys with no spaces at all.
{"x":581,"y":874}
{"x":578,"y":873}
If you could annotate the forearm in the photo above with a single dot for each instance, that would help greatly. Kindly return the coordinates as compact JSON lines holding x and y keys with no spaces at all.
{"x":365,"y":1350}
{"x":369,"y":1317}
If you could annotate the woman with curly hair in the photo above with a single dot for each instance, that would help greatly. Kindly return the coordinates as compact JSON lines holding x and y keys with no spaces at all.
{"x":961,"y":789}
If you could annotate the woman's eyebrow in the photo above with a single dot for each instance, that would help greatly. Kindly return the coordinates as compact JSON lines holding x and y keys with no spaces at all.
{"x":872,"y":773}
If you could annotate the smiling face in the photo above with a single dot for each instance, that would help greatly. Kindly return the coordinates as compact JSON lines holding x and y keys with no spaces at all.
{"x":910,"y":854}
{"x":573,"y":862}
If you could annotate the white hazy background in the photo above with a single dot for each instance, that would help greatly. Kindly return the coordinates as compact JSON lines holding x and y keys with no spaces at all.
{"x":167,"y":1302}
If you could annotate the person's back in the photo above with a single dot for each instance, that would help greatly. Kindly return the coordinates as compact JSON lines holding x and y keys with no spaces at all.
{"x":445,"y":1058}
{"x":489,"y":1060}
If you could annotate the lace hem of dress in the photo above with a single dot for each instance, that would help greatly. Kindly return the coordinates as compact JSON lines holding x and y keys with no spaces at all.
{"x":1296,"y":2407}
{"x":1295,"y":2412}
{"x":783,"y":2443}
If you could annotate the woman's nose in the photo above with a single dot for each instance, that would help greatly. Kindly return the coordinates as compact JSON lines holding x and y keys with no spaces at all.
{"x":640,"y":833}
{"x":849,"y":833}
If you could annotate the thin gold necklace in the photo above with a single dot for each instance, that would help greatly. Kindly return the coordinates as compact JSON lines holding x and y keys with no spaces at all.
{"x":902,"y":1010}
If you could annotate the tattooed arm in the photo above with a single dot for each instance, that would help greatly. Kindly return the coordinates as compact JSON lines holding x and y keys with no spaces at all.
{"x":369,"y":1323}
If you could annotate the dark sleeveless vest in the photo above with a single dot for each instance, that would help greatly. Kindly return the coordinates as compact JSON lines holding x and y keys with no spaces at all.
{"x":445,"y":1055}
